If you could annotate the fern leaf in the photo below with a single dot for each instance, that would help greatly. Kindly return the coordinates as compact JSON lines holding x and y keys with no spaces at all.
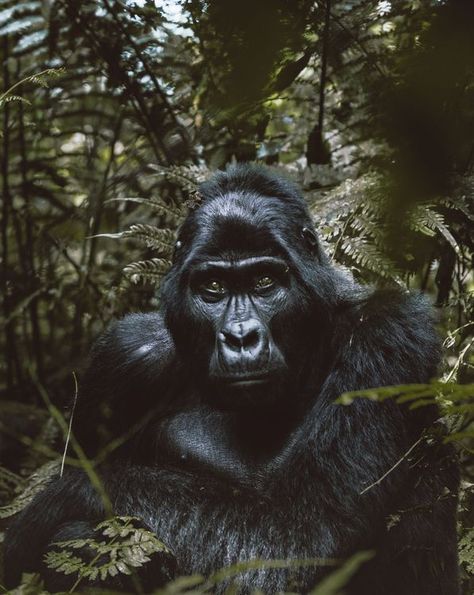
{"x":147,"y":270}
{"x":127,"y":546}
{"x":428,"y":221}
{"x":370,"y":257}
{"x":35,"y":484}
{"x":153,"y":237}
{"x":9,"y":98}
{"x":158,"y":207}
{"x":63,"y":561}
{"x":186,"y":177}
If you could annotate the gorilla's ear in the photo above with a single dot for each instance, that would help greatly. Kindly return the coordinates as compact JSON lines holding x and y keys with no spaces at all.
{"x":310,"y":239}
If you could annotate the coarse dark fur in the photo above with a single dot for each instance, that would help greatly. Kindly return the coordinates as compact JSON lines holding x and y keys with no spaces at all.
{"x":224,"y":470}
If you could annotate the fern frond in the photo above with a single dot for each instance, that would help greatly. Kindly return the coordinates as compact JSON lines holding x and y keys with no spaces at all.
{"x":366,"y":225}
{"x":186,"y":177}
{"x":352,"y":219}
{"x":9,"y":98}
{"x":35,"y":484}
{"x":427,"y":221}
{"x":64,"y":561}
{"x":153,"y":237}
{"x":41,"y":78}
{"x":368,"y":256}
{"x":466,"y":551}
{"x":151,"y":270}
{"x":347,"y":197}
{"x":175,"y":212}
{"x":127,"y":546}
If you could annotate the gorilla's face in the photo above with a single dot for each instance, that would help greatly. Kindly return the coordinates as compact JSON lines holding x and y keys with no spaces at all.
{"x":239,"y":299}
{"x":238,"y":314}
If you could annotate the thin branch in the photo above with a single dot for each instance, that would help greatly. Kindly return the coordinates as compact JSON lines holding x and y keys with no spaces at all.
{"x":87,"y":465}
{"x":370,"y":57}
{"x":379,"y":481}
{"x":69,"y":429}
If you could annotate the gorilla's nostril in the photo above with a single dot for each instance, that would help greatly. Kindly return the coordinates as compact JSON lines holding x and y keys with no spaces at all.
{"x":232,"y":339}
{"x":241,"y":335}
{"x":251,"y":339}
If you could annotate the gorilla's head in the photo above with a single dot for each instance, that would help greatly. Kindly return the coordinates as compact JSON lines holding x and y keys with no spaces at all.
{"x":250,"y":293}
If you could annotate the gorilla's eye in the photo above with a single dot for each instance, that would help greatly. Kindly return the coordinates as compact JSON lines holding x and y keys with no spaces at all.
{"x":264,"y":283}
{"x":214,"y":287}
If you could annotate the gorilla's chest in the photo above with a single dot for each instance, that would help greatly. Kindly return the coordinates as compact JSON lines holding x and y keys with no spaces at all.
{"x":207,"y":441}
{"x":200,"y":512}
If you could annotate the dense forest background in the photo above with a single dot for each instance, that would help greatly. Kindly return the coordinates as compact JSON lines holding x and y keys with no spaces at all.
{"x":111,"y":113}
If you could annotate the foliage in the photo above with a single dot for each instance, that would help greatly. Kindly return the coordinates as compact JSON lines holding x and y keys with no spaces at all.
{"x":113,"y":112}
{"x":149,"y":270}
{"x":35,"y":484}
{"x":69,"y":564}
{"x":466,"y":550}
{"x":31,"y":584}
{"x":448,"y":396}
{"x":126,"y":546}
{"x":333,"y":584}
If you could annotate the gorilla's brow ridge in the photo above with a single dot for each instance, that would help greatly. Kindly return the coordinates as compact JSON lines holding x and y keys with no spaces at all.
{"x":273,"y":262}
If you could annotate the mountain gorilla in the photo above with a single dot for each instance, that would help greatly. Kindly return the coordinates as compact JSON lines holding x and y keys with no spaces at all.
{"x":231,"y":445}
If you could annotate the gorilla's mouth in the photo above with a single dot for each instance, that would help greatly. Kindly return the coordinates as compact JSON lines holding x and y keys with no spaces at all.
{"x":243,"y":380}
{"x":246,"y":381}
{"x":238,"y":392}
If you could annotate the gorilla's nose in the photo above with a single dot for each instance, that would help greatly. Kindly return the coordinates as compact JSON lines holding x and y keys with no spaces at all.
{"x":244,"y":335}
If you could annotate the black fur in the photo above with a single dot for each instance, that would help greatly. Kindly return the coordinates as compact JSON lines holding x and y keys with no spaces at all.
{"x":224,"y":472}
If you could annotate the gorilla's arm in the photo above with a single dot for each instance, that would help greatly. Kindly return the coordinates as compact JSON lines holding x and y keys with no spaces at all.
{"x":69,"y":509}
{"x":388,"y":339}
{"x":66,"y":500}
{"x":128,"y":378}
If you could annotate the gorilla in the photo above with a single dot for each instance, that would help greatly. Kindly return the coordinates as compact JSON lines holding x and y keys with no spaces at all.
{"x":227,"y":441}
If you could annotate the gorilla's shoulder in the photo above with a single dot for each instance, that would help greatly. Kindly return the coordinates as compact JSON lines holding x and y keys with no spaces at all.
{"x":130,"y":363}
{"x":397,"y":306}
{"x":397,"y":329}
{"x":137,"y":340}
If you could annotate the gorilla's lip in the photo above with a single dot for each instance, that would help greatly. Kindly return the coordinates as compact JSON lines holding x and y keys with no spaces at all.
{"x":248,"y":380}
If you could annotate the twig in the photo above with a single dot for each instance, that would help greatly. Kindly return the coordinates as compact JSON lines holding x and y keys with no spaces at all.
{"x":454,"y":370}
{"x":87,"y":465}
{"x":369,"y":55}
{"x":379,"y":481}
{"x":68,"y":435}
